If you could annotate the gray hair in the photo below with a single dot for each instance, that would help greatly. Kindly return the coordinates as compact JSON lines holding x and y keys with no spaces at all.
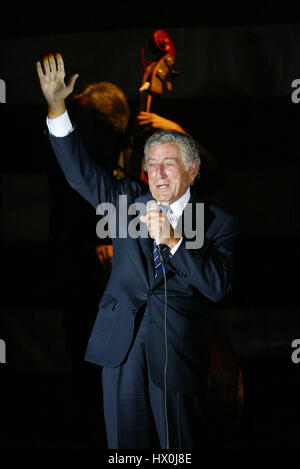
{"x":188,"y":148}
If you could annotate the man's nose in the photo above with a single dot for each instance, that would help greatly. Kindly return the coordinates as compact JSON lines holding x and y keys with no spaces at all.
{"x":161,"y":171}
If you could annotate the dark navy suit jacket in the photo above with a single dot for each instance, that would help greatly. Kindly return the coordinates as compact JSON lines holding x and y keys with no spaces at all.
{"x":194,"y":277}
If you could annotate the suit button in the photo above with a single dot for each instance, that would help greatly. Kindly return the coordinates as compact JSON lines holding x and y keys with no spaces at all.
{"x":134,"y":311}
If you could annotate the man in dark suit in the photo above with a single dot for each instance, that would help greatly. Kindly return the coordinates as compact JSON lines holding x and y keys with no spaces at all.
{"x":151,"y":334}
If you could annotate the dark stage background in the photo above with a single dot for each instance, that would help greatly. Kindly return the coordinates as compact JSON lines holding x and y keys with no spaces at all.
{"x":234,"y":96}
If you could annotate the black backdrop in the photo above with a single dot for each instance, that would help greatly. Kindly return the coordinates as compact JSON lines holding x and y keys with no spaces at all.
{"x":234,"y":96}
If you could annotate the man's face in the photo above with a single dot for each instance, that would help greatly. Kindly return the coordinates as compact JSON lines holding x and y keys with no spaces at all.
{"x":168,"y":178}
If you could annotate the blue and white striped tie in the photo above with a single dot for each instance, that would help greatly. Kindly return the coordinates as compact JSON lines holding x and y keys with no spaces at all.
{"x":156,"y":257}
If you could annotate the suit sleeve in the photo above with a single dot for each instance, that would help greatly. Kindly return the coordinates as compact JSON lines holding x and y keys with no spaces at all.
{"x":84,"y":175}
{"x":210,"y":269}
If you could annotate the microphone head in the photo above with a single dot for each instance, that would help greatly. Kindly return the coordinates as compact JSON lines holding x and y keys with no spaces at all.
{"x":152,"y":205}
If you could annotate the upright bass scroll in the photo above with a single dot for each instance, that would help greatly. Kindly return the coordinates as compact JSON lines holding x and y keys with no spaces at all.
{"x":157,"y":77}
{"x":161,"y":70}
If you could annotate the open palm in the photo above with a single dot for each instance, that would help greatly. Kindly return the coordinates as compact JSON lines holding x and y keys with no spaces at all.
{"x":52,"y":79}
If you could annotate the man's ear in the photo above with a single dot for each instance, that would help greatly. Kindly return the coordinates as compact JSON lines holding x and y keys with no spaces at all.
{"x":194,"y":168}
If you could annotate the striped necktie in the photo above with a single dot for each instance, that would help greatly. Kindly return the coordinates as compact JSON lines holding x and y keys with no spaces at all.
{"x":156,"y":257}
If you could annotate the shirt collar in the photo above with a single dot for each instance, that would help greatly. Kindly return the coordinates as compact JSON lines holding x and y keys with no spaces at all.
{"x":179,"y":205}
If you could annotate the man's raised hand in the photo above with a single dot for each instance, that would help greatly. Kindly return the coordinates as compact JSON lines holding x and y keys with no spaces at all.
{"x":52,"y":81}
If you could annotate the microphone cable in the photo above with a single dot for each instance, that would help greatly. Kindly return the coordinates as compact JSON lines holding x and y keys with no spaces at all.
{"x":153,"y":205}
{"x":166,"y":345}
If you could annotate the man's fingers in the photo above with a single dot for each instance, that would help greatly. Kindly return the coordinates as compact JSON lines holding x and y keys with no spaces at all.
{"x":144,"y":121}
{"x":143,"y":218}
{"x":46,"y":64}
{"x":72,"y":80}
{"x":158,"y":224}
{"x":52,"y":63}
{"x":153,"y":218}
{"x":144,"y":117}
{"x":60,"y":63}
{"x":39,"y":69}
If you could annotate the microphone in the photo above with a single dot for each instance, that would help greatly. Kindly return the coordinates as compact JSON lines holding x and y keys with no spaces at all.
{"x":153,"y":205}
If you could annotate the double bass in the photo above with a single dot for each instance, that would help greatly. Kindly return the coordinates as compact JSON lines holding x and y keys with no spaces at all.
{"x":157,"y":78}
